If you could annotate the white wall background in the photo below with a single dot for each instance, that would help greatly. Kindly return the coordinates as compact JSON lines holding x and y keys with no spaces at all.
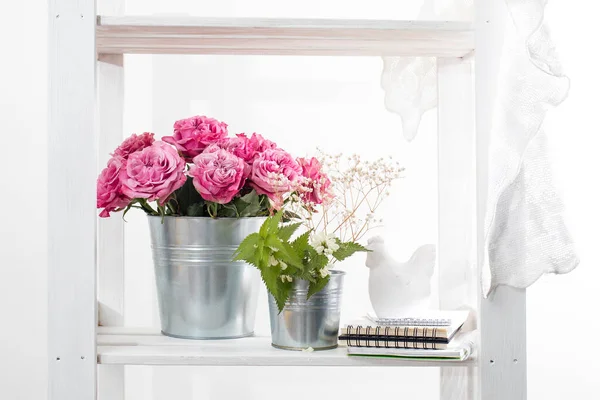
{"x":323,"y":98}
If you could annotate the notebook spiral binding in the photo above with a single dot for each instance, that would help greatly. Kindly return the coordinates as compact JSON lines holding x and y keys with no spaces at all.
{"x":412,"y":322}
{"x":399,"y":339}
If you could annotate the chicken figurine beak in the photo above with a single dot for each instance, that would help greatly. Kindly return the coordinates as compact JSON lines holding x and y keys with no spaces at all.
{"x":399,"y":289}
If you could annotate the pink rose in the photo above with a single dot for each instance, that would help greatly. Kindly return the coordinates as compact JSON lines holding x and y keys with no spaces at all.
{"x":246,"y":148}
{"x":274,"y":173}
{"x":260,"y":144}
{"x":108,"y":188}
{"x":153,"y":173}
{"x":134,"y":143}
{"x":218,"y":175}
{"x":192,"y":135}
{"x":240,"y":146}
{"x":316,"y":186}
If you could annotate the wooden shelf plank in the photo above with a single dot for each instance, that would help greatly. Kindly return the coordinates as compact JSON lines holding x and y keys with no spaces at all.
{"x":123,"y":346}
{"x":196,"y":35}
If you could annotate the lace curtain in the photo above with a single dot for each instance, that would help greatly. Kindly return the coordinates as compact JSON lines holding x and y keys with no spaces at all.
{"x":525,"y":235}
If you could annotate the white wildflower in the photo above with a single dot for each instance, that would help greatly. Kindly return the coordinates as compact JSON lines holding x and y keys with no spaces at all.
{"x":272,"y":261}
{"x":324,"y":272}
{"x":324,"y":243}
{"x":283,"y":265}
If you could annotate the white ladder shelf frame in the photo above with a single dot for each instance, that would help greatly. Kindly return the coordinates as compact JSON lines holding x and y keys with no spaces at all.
{"x":86,"y":94}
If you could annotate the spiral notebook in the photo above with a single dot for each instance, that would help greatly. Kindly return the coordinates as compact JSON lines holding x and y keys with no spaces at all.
{"x":432,"y":331}
{"x":459,"y":350}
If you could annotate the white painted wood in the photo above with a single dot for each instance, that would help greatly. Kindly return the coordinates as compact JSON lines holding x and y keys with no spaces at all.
{"x":71,"y":201}
{"x":503,"y":368}
{"x":196,"y":35}
{"x":143,"y":347}
{"x":456,"y":207}
{"x":111,"y":262}
{"x":110,"y":230}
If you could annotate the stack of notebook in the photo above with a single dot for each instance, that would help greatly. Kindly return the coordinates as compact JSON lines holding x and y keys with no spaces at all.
{"x":431,"y":336}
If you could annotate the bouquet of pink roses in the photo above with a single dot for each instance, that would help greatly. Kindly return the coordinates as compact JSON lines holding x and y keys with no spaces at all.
{"x":202,"y":171}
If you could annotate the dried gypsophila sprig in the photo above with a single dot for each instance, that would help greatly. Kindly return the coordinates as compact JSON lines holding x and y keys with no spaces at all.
{"x":358,"y":188}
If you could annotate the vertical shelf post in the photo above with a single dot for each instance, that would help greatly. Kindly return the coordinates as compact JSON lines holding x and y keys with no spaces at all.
{"x":111,"y":246}
{"x":111,"y":378}
{"x":71,"y":200}
{"x":502,"y":356}
{"x":456,"y":207}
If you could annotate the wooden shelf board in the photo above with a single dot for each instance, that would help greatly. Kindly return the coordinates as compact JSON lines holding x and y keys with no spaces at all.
{"x":197,"y":35}
{"x":126,"y":346}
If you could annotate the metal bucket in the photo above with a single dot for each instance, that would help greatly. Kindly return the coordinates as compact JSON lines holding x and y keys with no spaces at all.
{"x":202,"y":294}
{"x":308,"y":323}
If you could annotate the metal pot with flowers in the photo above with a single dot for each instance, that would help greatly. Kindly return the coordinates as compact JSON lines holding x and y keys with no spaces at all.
{"x":295,"y":258}
{"x":204,"y":191}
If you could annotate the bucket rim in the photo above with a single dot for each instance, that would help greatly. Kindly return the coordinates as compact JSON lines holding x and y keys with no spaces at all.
{"x":204,"y":218}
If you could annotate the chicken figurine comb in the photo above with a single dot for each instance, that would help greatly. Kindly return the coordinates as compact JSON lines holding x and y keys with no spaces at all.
{"x":398,"y":289}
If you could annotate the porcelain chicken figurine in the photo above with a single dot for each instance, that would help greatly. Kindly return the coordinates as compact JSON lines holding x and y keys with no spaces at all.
{"x":399,"y":289}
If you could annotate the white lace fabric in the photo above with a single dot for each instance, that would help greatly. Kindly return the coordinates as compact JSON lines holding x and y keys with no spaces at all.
{"x":525,"y":234}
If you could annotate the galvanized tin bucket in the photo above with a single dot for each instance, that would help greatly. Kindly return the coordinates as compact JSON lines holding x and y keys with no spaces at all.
{"x":311,"y":323}
{"x":202,"y":294}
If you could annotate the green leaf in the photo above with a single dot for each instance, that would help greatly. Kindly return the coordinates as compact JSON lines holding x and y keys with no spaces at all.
{"x":307,"y":276}
{"x":264,"y":228}
{"x":285,"y":252}
{"x":316,"y":287}
{"x":347,"y":249}
{"x":247,"y":205}
{"x":227,"y":211}
{"x":285,"y":289}
{"x":186,"y":196}
{"x":273,"y":222}
{"x":262,"y":254}
{"x":316,"y":261}
{"x":286,"y":232}
{"x":300,"y":245}
{"x":195,"y":210}
{"x":271,"y":279}
{"x":246,"y":251}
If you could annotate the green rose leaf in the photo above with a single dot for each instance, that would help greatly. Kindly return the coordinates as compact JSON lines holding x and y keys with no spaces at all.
{"x":195,"y":210}
{"x":248,"y":205}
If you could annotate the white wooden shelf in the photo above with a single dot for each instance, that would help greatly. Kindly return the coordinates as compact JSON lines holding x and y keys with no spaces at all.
{"x":126,"y":346}
{"x":196,"y":35}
